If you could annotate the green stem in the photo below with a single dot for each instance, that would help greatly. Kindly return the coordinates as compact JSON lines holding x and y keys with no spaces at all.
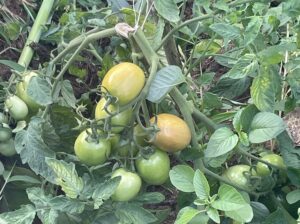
{"x":207,"y":121}
{"x":36,"y":32}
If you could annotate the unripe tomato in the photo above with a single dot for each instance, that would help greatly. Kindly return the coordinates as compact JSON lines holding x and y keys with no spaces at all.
{"x":123,"y":148}
{"x":16,"y":107}
{"x":124,"y":81}
{"x":174,"y":134}
{"x":263,"y":169}
{"x":5,"y":134}
{"x":140,"y":135}
{"x":7,"y":148}
{"x":118,"y":121}
{"x":128,"y":187}
{"x":21,"y":91}
{"x":155,"y":169}
{"x":114,"y":141}
{"x":3,"y":118}
{"x":91,"y":152}
{"x":236,"y":175}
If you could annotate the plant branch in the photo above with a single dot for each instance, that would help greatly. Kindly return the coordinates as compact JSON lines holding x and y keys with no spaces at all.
{"x":35,"y":32}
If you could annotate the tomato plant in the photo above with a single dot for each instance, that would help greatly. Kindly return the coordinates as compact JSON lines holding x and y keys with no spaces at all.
{"x":124,"y":81}
{"x":155,"y":169}
{"x":118,"y":121}
{"x":91,"y":151}
{"x":173,"y":135}
{"x":207,"y":86}
{"x":128,"y":187}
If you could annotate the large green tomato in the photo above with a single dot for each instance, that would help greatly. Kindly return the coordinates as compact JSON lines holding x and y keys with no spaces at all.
{"x":155,"y":169}
{"x":21,"y":91}
{"x":128,"y":187}
{"x":91,"y":152}
{"x":17,"y":108}
{"x":236,"y":175}
{"x":119,"y":121}
{"x":174,"y":134}
{"x":5,"y":134}
{"x":124,"y":81}
{"x":7,"y":148}
{"x":263,"y":169}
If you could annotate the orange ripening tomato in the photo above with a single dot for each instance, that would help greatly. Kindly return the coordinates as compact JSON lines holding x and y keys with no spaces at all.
{"x":124,"y":81}
{"x":174,"y":134}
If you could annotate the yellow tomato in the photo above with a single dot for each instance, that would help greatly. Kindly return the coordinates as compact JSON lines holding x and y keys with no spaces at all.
{"x":124,"y":81}
{"x":174,"y":134}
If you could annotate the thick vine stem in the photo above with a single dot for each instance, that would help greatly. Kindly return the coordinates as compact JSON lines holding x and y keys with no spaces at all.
{"x":87,"y":38}
{"x":35,"y":32}
{"x":212,"y":126}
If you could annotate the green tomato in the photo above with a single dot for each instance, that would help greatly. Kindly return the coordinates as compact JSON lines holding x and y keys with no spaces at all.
{"x":155,"y":169}
{"x":123,"y":148}
{"x":140,"y":135}
{"x":7,"y":148}
{"x":21,"y":91}
{"x":5,"y":134}
{"x":263,"y":169}
{"x":16,"y":107}
{"x":91,"y":152}
{"x":114,"y":141}
{"x":128,"y":187}
{"x":3,"y":118}
{"x":119,"y":121}
{"x":236,"y":175}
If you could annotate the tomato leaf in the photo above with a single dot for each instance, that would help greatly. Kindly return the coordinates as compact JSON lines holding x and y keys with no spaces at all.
{"x":24,"y":215}
{"x":164,"y":81}
{"x":294,"y":81}
{"x":229,"y":199}
{"x":66,"y":177}
{"x":252,"y":29}
{"x":247,"y":65}
{"x":150,"y":198}
{"x":33,"y":149}
{"x":227,"y":31}
{"x":265,"y":126}
{"x":104,"y":191}
{"x":167,"y":9}
{"x":40,"y":91}
{"x":280,"y":216}
{"x":222,"y":141}
{"x":133,"y":213}
{"x":13,"y":65}
{"x":181,"y":177}
{"x":213,"y":214}
{"x":264,"y":89}
{"x":244,"y":214}
{"x":186,"y":214}
{"x":201,"y":185}
{"x":67,"y":93}
{"x":293,"y":196}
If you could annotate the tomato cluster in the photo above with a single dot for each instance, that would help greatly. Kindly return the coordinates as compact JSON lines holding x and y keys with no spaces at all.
{"x":122,"y":139}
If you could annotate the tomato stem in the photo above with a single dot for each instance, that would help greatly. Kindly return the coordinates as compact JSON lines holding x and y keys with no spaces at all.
{"x":35,"y":32}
